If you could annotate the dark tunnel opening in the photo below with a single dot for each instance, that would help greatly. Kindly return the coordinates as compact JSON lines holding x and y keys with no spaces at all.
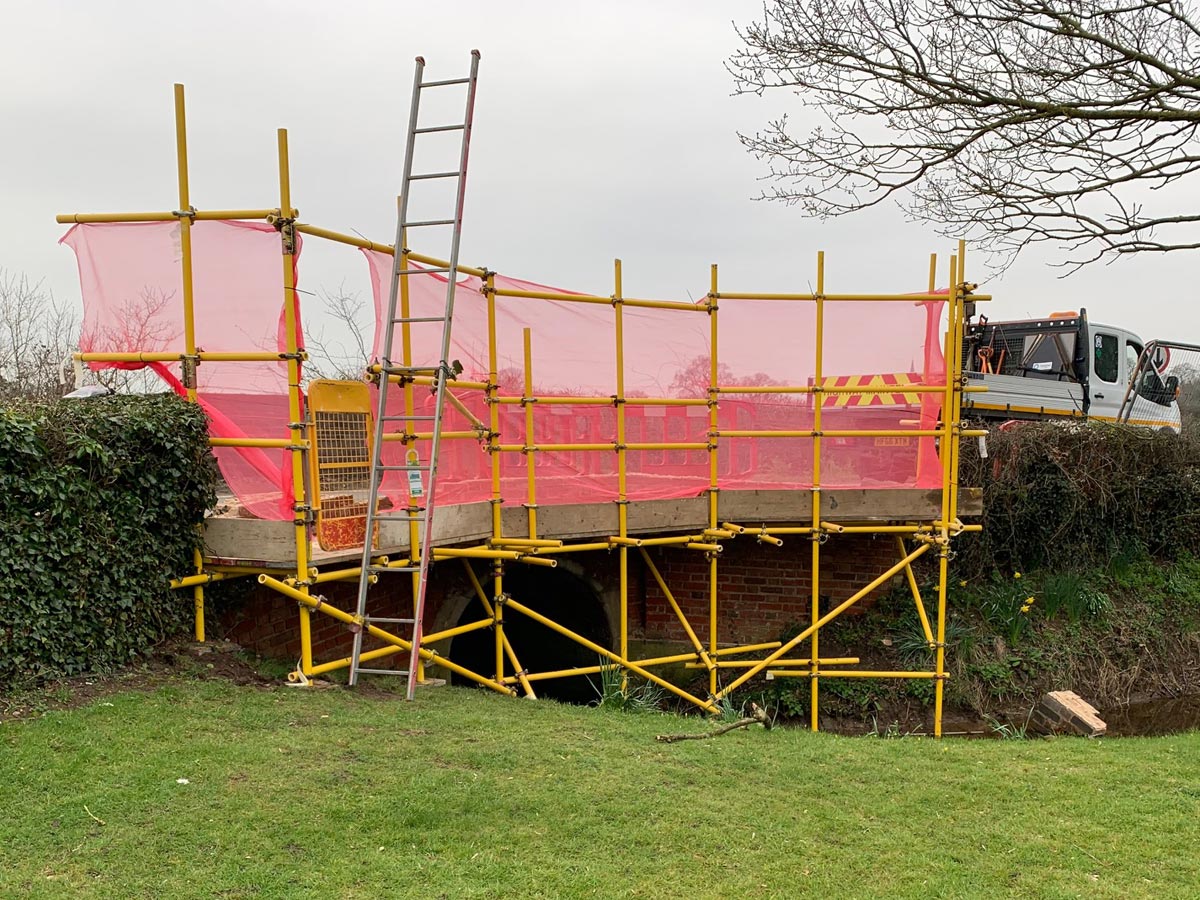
{"x":558,"y":595}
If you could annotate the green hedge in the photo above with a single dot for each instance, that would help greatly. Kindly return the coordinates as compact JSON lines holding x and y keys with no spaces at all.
{"x":1070,"y":497}
{"x":99,"y":501}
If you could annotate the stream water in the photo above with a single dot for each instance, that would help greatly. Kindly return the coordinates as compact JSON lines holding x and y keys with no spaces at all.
{"x":1143,"y":718}
{"x":1167,"y":715}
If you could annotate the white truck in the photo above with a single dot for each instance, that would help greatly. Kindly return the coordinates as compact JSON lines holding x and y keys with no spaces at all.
{"x":1064,"y":367}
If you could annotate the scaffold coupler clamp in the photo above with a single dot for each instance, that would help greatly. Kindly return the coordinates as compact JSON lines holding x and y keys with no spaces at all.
{"x":286,"y":226}
{"x":188,"y":366}
{"x":303,"y":514}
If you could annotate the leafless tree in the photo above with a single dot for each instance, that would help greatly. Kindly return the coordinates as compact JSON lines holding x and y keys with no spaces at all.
{"x":343,"y":358}
{"x":693,"y":379}
{"x":37,"y":334}
{"x":1013,"y":121}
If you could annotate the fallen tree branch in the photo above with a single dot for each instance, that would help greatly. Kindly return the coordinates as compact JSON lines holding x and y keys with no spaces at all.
{"x":757,"y":714}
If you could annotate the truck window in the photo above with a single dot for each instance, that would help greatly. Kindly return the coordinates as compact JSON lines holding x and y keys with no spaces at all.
{"x":1048,"y":355}
{"x":1133,"y":353}
{"x":1107,"y":363}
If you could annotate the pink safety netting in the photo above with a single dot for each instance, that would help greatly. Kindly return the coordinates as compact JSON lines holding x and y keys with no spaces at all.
{"x":132,"y":286}
{"x":132,"y":291}
{"x":667,"y":354}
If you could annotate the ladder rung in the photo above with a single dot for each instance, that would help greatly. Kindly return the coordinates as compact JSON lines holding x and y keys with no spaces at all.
{"x":425,"y":176}
{"x":432,"y":128}
{"x":423,"y":272}
{"x":427,"y":222}
{"x":409,"y":418}
{"x":410,"y":370}
{"x":394,"y":570}
{"x":404,"y":468}
{"x":401,"y":672}
{"x":371,"y":620}
{"x":411,"y":320}
{"x":444,"y":82}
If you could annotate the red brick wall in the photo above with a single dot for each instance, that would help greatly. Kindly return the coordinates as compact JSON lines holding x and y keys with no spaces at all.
{"x":269,"y":623}
{"x":762,"y":590}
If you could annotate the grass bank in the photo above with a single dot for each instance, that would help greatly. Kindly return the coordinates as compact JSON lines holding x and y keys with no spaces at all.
{"x":1122,"y":631}
{"x":293,"y":793}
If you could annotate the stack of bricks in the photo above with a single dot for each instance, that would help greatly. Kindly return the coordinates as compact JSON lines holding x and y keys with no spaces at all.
{"x":1065,"y":712}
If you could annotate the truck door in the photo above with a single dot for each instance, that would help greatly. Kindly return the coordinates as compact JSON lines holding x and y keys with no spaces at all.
{"x":1153,"y":396}
{"x":1107,"y":387}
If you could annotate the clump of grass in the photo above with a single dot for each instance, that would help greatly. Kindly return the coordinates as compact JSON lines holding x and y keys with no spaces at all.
{"x":1073,"y":595}
{"x":618,"y":690}
{"x":891,"y":731}
{"x":1009,"y":731}
{"x":733,"y":710}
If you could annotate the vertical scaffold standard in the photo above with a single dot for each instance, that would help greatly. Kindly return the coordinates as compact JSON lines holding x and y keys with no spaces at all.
{"x":751,"y":414}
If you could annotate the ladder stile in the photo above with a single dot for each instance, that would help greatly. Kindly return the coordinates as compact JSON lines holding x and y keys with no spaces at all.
{"x":421,"y":515}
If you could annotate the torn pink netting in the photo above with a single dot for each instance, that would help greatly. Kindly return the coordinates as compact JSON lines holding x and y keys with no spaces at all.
{"x":132,"y":286}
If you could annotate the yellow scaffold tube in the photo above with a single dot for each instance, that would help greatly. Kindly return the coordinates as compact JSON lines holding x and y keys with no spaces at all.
{"x":666,"y":592}
{"x":706,"y":705}
{"x":916,"y":592}
{"x":189,"y":317}
{"x":319,"y":605}
{"x":197,"y":580}
{"x":804,"y":663}
{"x":848,"y":298}
{"x":820,"y":623}
{"x":491,"y":614}
{"x":556,"y":400}
{"x":166,"y":216}
{"x":622,"y":462}
{"x":847,"y":673}
{"x":565,"y":297}
{"x":655,"y":661}
{"x":713,"y":468}
{"x":866,"y":391}
{"x":818,"y":377}
{"x":834,"y":433}
{"x":530,"y":460}
{"x":251,"y":442}
{"x":295,"y":401}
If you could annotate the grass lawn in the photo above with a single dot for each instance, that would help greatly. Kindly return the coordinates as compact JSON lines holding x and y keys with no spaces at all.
{"x":294,"y":793}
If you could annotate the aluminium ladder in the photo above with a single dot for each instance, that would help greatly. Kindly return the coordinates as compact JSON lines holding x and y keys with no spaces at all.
{"x":414,"y":470}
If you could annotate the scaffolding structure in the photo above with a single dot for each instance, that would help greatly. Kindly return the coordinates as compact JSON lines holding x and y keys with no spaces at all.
{"x":728,"y":668}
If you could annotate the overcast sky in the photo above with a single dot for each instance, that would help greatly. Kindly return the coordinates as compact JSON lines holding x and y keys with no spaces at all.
{"x":602,"y":130}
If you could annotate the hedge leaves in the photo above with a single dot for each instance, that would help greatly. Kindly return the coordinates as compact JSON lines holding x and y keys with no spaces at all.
{"x":99,"y":502}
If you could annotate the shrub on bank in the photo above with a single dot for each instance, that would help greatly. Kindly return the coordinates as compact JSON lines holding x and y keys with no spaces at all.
{"x":99,"y":503}
{"x":1070,"y":497}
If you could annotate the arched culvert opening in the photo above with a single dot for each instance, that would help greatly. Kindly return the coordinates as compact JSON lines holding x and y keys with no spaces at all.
{"x":558,"y":595}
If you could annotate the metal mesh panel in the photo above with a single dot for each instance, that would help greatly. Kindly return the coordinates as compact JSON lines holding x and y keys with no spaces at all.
{"x":343,"y":462}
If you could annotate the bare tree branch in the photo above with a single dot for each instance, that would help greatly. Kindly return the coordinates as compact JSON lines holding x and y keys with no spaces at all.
{"x":37,"y":334}
{"x":332,"y":358}
{"x":1014,"y":122}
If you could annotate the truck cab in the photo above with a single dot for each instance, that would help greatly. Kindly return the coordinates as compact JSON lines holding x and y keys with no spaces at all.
{"x":1065,"y":367}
